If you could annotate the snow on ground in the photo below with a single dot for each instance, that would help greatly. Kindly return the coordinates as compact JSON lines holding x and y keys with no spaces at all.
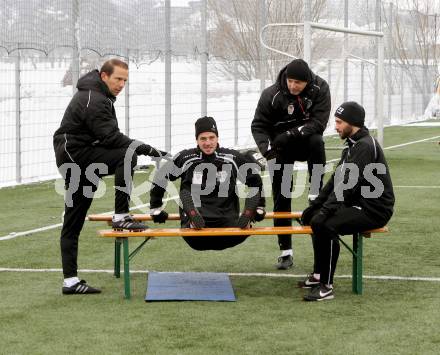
{"x":44,"y":99}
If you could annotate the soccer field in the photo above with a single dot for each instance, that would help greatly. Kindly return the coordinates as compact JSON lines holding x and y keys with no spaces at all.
{"x":398,"y":313}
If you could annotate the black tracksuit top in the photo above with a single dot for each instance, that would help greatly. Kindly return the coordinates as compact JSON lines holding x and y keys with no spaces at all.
{"x":361,"y":149}
{"x":228,"y":166}
{"x":89,"y":120}
{"x":278,"y":110}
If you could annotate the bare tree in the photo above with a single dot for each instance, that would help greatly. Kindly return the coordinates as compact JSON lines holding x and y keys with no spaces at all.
{"x":414,"y":44}
{"x":235,"y":33}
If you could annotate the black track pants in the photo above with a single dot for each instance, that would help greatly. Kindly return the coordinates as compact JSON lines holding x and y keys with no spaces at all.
{"x":310,"y":149}
{"x":346,"y":220}
{"x":77,"y":203}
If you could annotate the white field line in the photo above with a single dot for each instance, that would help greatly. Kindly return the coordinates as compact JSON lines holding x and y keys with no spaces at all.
{"x":405,"y":144}
{"x":240,"y":274}
{"x":54,"y":226}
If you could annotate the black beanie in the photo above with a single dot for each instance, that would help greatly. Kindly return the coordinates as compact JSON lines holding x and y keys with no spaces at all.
{"x":206,"y":124}
{"x":298,"y":69}
{"x":352,"y":113}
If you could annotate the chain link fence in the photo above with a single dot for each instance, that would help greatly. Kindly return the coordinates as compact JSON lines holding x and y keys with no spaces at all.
{"x":187,"y":59}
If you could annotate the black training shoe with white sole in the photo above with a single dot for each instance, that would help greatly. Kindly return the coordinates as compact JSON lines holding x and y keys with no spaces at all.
{"x":128,"y":223}
{"x":320,"y":293}
{"x":284,"y":262}
{"x":196,"y":219}
{"x":309,"y":282}
{"x":80,"y":288}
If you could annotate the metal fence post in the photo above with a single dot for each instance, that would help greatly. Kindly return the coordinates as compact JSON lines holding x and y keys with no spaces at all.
{"x":235,"y":103}
{"x":390,"y":71}
{"x":75,"y":44}
{"x":390,"y":89}
{"x":377,"y":27}
{"x":402,"y":92}
{"x":345,"y":51}
{"x":17,"y":120}
{"x":127,"y":99}
{"x":379,"y":75}
{"x":413,"y":93}
{"x":329,"y":72}
{"x":167,"y":75}
{"x":262,"y":22}
{"x":204,"y":62}
{"x":307,"y":45}
{"x":362,"y":82}
{"x":379,"y":93}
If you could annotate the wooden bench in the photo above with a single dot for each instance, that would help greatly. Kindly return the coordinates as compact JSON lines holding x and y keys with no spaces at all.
{"x":176,"y":217}
{"x":122,"y":238}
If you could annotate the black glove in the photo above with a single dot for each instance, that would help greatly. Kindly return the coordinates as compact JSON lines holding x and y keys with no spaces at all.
{"x":280,"y":142}
{"x":145,"y":149}
{"x":245,"y":218}
{"x":319,"y":218}
{"x":249,"y":212}
{"x":308,"y":214}
{"x":158,"y":215}
{"x":156,"y":153}
{"x":195,"y":218}
{"x":260,"y":213}
{"x":270,"y":154}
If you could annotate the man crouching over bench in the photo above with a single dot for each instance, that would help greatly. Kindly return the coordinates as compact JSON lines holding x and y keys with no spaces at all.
{"x":208,"y":194}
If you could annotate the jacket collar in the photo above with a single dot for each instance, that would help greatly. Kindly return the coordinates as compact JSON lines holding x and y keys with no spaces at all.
{"x":206,"y":156}
{"x":358,"y":135}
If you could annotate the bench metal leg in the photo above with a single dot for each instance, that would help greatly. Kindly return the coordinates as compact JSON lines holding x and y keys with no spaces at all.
{"x":127,"y":256}
{"x":117,"y":266}
{"x":357,"y":263}
{"x":126,"y":268}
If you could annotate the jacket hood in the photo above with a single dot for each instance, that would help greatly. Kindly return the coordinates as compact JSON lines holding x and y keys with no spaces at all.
{"x":93,"y":81}
{"x":282,"y":80}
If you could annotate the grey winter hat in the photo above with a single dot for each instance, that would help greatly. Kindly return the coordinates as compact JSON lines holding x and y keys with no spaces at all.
{"x":352,"y":113}
{"x":206,"y":124}
{"x":298,"y":69}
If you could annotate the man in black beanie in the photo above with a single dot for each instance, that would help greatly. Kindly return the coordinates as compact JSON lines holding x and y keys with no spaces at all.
{"x":358,"y":197}
{"x":289,"y":121}
{"x":209,"y":175}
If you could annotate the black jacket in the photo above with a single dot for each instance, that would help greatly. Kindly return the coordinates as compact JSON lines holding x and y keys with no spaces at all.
{"x":278,"y":110}
{"x":362,"y":149}
{"x":89,"y":120}
{"x":222,"y":202}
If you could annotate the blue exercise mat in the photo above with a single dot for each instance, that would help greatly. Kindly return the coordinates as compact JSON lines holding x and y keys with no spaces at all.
{"x":189,"y":286}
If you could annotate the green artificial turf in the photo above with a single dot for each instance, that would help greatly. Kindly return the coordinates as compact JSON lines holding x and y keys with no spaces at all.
{"x":269,"y":317}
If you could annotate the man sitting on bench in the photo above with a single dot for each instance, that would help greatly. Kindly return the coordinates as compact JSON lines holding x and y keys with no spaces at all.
{"x":355,"y":199}
{"x":208,"y":194}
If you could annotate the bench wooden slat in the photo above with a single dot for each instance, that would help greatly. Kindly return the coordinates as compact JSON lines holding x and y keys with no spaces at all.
{"x":213,"y":232}
{"x":176,"y":217}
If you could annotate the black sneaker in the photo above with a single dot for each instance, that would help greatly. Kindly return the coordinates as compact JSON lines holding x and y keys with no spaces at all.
{"x":309,"y":282}
{"x":196,"y":219}
{"x":80,"y":288}
{"x":128,"y":223}
{"x":284,"y":262}
{"x":320,"y":293}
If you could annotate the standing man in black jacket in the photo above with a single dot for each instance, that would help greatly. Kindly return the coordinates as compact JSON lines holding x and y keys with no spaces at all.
{"x":289,"y":121}
{"x":208,"y":188}
{"x":359,"y":196}
{"x":89,"y":145}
